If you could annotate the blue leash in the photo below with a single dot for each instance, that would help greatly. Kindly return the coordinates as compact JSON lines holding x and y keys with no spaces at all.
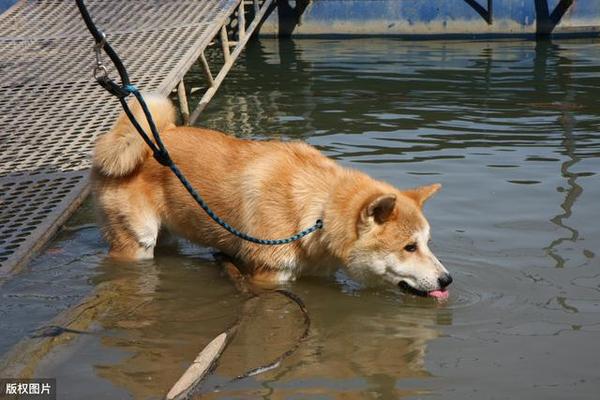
{"x":159,"y":150}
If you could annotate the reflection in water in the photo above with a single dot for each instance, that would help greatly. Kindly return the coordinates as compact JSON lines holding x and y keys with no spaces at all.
{"x":162,"y":313}
{"x":559,"y":74}
{"x":572,"y":192}
{"x":500,"y":124}
{"x":352,"y":350}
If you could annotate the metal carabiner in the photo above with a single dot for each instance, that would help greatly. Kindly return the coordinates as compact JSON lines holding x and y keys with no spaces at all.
{"x":100,"y":70}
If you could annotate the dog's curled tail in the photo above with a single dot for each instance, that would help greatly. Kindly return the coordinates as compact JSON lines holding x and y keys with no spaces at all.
{"x":122,"y":150}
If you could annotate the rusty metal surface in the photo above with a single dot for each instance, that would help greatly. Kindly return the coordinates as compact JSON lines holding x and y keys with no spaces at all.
{"x":51,"y":110}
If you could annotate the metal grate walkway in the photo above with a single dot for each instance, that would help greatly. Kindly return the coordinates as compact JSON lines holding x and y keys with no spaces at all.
{"x":51,"y":110}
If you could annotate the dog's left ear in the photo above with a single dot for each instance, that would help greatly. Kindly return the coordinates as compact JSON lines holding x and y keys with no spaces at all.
{"x":379,"y":209}
{"x":421,"y":194}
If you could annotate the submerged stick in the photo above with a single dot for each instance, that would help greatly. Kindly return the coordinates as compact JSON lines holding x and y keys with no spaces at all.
{"x":201,"y":366}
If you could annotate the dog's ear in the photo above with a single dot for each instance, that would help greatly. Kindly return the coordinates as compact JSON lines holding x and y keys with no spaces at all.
{"x":379,"y":209}
{"x":421,"y":194}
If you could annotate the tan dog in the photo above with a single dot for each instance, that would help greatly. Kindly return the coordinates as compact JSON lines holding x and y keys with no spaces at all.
{"x":269,"y":189}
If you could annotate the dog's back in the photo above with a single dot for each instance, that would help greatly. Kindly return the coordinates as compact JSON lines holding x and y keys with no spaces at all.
{"x":270,"y":189}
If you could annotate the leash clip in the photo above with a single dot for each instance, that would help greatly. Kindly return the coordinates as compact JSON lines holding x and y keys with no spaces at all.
{"x":100,"y":70}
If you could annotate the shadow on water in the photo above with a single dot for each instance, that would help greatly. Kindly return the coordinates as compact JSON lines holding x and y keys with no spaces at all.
{"x":509,"y":128}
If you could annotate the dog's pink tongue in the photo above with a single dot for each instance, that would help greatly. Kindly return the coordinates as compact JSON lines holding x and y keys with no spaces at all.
{"x":439,"y":294}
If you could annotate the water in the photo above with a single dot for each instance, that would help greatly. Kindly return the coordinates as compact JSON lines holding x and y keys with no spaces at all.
{"x":511,"y":131}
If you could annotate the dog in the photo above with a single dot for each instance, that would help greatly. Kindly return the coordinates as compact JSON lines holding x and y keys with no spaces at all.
{"x":269,"y":189}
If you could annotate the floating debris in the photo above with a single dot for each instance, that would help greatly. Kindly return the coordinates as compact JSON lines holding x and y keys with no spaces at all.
{"x":55,"y":330}
{"x":199,"y":368}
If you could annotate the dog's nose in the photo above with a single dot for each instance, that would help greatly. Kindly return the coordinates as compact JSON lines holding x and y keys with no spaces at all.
{"x":444,"y":281}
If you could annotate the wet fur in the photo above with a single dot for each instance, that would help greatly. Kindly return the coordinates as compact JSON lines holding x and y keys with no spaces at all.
{"x":269,"y":189}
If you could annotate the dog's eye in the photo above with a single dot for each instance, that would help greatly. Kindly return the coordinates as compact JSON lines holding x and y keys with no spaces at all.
{"x":411,"y":248}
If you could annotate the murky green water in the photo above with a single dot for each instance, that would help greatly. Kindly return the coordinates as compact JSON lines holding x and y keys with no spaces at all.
{"x":512,"y":130}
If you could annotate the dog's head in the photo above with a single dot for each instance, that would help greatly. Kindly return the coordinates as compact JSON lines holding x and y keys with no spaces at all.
{"x":392,"y":244}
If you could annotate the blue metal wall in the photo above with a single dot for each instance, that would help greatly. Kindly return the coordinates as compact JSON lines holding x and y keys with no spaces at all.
{"x":431,"y":17}
{"x":425,"y":17}
{"x":4,"y":4}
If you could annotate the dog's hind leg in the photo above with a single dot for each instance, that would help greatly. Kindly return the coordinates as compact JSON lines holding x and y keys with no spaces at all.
{"x":131,"y":236}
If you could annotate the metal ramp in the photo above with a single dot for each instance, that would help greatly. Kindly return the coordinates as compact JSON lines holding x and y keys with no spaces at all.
{"x":51,"y":109}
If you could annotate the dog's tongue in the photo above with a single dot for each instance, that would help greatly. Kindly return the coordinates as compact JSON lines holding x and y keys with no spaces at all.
{"x":439,"y":294}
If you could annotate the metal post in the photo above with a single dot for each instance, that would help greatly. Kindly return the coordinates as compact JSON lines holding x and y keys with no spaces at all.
{"x":256,"y":8}
{"x":183,"y":103}
{"x":225,"y":44}
{"x":230,"y":56}
{"x":206,"y":70}
{"x":241,"y":21}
